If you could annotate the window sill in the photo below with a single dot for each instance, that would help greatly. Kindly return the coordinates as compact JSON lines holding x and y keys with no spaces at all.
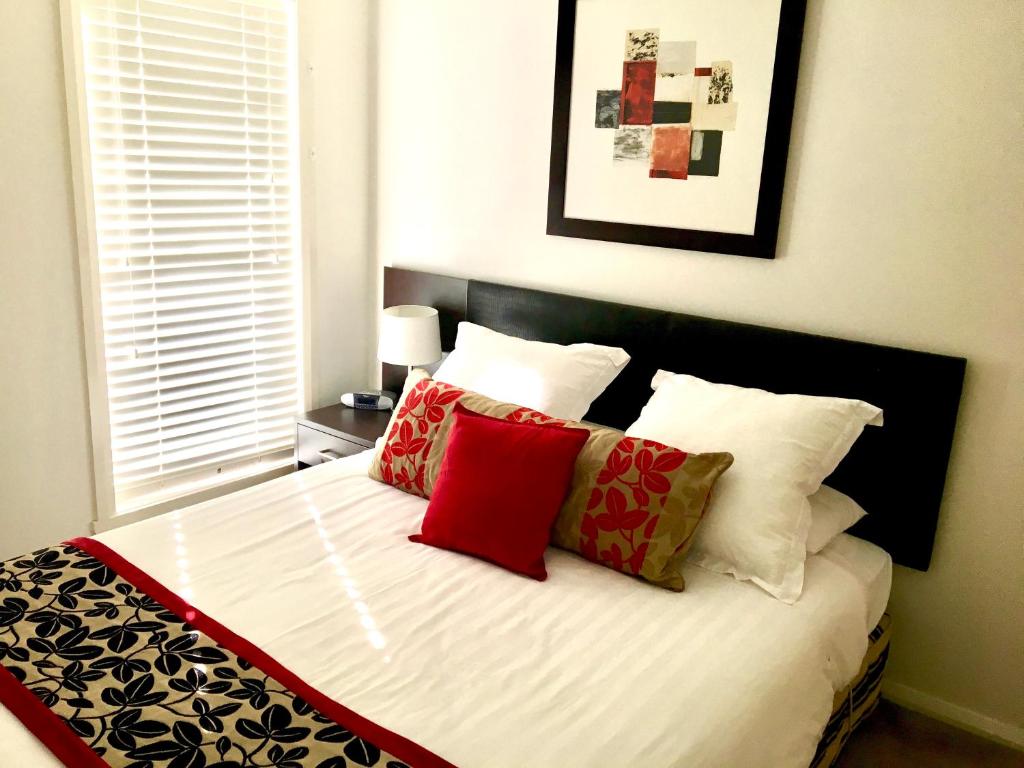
{"x":277,"y":469}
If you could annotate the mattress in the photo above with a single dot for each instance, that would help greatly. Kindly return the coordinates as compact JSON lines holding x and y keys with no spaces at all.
{"x":484,"y":667}
{"x":855,"y":703}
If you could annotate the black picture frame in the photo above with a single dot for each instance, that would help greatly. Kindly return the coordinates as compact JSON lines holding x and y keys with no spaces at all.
{"x":762,"y":243}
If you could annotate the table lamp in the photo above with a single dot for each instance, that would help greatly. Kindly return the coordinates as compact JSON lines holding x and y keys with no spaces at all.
{"x":409,"y":335}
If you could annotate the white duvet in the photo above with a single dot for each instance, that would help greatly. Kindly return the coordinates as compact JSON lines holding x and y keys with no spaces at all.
{"x":485,"y":668}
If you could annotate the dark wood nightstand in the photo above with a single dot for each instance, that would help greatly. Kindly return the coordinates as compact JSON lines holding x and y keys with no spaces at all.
{"x":334,"y":431}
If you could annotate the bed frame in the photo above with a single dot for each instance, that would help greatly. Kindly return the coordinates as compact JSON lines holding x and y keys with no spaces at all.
{"x":897,"y":472}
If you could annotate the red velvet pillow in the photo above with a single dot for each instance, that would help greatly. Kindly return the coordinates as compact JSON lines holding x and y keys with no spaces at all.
{"x":499,"y":489}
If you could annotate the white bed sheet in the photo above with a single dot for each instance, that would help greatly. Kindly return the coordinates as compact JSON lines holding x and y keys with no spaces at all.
{"x":486,"y":668}
{"x":870,"y":565}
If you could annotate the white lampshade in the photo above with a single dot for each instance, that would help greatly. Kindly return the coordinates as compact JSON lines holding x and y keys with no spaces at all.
{"x":409,"y":335}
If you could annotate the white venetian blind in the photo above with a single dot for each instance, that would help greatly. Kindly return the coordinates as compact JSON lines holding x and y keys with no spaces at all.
{"x":194,"y":174}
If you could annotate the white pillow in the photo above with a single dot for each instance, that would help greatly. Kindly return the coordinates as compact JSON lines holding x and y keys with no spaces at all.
{"x":784,"y":446}
{"x":832,"y":512}
{"x":561,"y":381}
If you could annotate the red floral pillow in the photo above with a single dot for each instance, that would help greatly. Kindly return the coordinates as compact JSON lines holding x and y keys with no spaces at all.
{"x":420,"y":422}
{"x":635,"y":504}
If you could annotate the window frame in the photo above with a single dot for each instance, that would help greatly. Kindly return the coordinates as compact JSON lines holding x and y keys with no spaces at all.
{"x":104,"y":513}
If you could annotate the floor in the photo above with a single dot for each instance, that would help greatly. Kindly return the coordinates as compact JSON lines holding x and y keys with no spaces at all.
{"x":895,"y":737}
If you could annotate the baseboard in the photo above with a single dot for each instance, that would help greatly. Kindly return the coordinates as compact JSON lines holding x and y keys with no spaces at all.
{"x":968,"y":719}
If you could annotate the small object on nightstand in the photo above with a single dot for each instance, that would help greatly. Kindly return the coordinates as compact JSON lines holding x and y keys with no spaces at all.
{"x":370,"y":400}
{"x":336,"y":431}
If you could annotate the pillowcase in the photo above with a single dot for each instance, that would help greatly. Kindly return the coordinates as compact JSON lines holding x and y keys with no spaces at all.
{"x":784,"y":445}
{"x":832,"y":513}
{"x":633,"y":506}
{"x":499,"y":488}
{"x":561,"y":381}
{"x":410,"y":455}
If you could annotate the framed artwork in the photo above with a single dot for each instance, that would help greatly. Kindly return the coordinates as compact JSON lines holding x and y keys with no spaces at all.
{"x":671,"y":121}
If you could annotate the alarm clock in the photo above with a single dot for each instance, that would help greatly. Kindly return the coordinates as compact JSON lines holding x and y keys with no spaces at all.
{"x":370,"y":400}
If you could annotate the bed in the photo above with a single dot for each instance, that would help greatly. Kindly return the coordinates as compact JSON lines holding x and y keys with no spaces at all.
{"x":484,"y":667}
{"x":478,"y":666}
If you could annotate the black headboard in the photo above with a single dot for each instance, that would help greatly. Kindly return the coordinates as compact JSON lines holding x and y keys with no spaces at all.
{"x":896,"y":472}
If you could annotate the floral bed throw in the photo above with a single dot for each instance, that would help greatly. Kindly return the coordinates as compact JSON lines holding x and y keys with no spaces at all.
{"x":109,"y":668}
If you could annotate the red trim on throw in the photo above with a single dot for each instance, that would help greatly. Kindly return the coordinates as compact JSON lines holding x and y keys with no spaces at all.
{"x":405,"y":750}
{"x":45,"y":724}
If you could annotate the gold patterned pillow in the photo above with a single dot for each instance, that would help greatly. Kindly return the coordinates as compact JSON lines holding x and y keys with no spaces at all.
{"x":634,"y":505}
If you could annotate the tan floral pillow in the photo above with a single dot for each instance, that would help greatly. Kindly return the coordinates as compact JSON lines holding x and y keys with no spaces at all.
{"x":634,"y":504}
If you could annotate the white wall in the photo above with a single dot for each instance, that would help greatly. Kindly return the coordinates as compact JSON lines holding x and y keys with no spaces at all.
{"x":46,"y":492}
{"x":902,"y":224}
{"x":335,"y":47}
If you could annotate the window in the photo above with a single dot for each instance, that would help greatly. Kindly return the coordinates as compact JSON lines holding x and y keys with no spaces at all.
{"x":185,"y":120}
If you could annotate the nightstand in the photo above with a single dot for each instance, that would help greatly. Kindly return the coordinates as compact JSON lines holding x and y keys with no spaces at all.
{"x":335,"y":431}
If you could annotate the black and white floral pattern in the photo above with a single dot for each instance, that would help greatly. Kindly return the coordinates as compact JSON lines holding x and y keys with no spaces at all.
{"x":142,"y":688}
